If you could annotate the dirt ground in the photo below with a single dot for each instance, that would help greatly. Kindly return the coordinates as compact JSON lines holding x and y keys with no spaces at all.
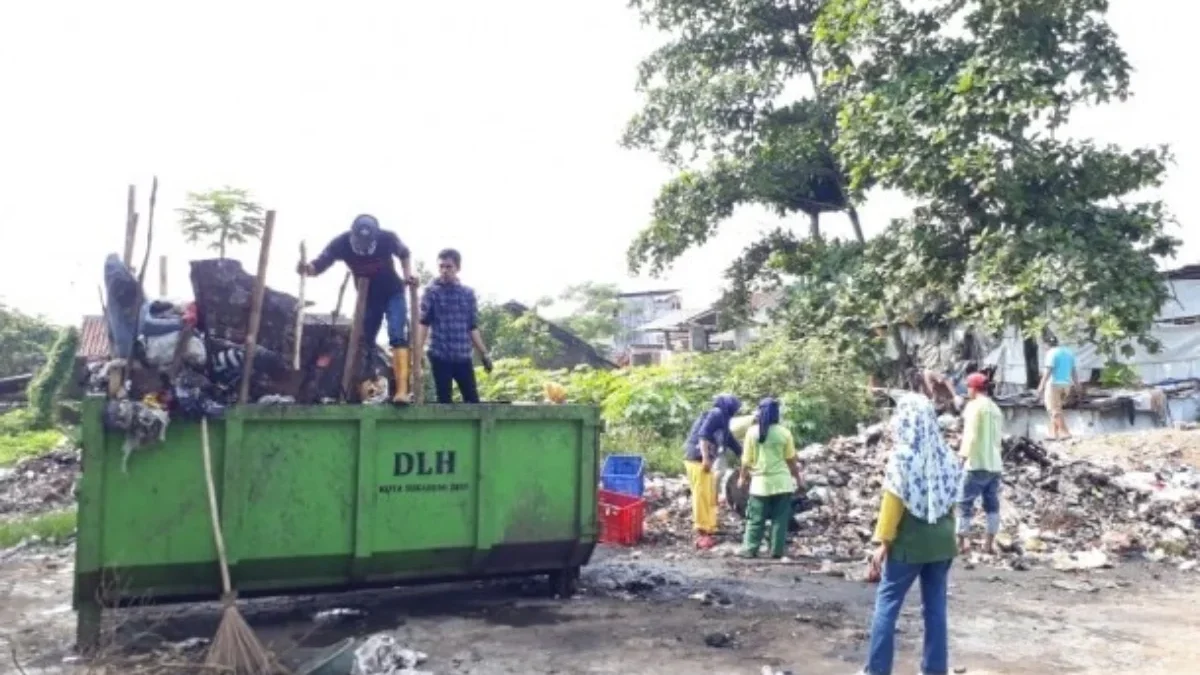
{"x":657,"y":610}
{"x":642,"y":615}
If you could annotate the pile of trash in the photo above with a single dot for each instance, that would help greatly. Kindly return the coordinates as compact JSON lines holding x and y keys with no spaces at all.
{"x":40,"y":484}
{"x":186,"y":360}
{"x":1056,"y":511}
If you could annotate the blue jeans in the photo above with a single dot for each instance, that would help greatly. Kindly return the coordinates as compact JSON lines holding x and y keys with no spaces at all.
{"x":889,"y":598}
{"x":978,"y":484}
{"x":395,"y":309}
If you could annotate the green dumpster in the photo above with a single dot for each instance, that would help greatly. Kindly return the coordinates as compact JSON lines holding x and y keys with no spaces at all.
{"x":317,"y":498}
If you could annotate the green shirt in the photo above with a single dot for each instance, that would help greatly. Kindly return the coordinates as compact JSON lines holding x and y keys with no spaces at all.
{"x":767,"y":461}
{"x":982,"y":424}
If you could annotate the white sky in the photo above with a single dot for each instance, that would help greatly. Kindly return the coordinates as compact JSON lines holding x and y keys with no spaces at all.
{"x":489,"y":126}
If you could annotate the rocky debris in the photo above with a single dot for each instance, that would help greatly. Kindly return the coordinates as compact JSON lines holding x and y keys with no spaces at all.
{"x":631,"y":580}
{"x":1057,"y":511}
{"x":40,"y":484}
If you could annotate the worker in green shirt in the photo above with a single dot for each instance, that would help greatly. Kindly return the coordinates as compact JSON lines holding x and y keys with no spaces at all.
{"x":982,"y":424}
{"x":769,"y":465}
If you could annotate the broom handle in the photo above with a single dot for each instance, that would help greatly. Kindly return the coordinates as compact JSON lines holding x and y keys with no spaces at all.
{"x":212,"y":508}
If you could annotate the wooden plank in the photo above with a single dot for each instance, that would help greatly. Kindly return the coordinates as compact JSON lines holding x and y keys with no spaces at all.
{"x":256,"y":303}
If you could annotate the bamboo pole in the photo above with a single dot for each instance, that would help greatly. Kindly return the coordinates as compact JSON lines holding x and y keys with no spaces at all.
{"x":130,"y":225}
{"x":352,"y":350}
{"x":256,"y":303}
{"x":149,"y":235}
{"x":299,"y":332}
{"x":414,"y":314}
{"x":337,"y":309}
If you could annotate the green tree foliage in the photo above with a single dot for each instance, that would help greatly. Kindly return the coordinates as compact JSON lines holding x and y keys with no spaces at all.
{"x":805,"y":106}
{"x":512,"y":335}
{"x":24,"y":340}
{"x":48,"y":384}
{"x":733,"y":103}
{"x":594,"y":317}
{"x":962,"y":104}
{"x":221,"y":217}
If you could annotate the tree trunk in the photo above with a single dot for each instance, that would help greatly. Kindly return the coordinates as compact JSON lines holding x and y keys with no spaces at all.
{"x":1033,"y":375}
{"x":856,"y":224}
{"x":221,"y":245}
{"x":814,"y":225}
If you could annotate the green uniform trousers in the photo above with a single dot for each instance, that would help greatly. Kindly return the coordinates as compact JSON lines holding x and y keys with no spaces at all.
{"x":778,"y":510}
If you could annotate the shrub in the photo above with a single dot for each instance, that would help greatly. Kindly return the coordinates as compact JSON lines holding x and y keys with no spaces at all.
{"x":650,"y":409}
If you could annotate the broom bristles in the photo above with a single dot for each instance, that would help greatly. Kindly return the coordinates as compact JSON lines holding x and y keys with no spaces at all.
{"x":236,"y":649}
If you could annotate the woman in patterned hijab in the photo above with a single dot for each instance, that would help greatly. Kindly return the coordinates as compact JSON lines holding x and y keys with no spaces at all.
{"x":915,"y":533}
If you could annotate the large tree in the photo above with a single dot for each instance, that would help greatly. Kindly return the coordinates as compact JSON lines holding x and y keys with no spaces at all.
{"x":804,"y":106}
{"x":734,"y":103}
{"x":221,"y":217}
{"x":594,"y":314}
{"x":963,"y":105}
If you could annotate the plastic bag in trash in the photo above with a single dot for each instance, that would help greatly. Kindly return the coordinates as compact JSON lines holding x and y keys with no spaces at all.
{"x":160,"y":350}
{"x":147,"y":424}
{"x":382,"y":655}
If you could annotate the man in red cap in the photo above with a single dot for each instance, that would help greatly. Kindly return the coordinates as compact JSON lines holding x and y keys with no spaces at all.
{"x":982,"y":424}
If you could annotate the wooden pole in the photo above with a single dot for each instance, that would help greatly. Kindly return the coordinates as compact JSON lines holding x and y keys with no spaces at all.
{"x":162,"y":276}
{"x":130,"y":225}
{"x":256,"y":304}
{"x":149,"y":235}
{"x":337,"y":309}
{"x":414,"y":315}
{"x":299,"y":332}
{"x":352,"y":350}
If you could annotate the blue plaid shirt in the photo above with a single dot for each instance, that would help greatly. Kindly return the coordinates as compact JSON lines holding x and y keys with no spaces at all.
{"x":451,"y":312}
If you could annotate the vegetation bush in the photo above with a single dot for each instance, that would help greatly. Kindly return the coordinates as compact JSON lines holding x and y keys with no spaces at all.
{"x":649,"y":410}
{"x":50,"y":379}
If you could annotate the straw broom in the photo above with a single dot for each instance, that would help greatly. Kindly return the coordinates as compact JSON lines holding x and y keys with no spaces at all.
{"x":235,"y":648}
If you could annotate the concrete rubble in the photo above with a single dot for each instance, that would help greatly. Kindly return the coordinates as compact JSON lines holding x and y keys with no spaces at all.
{"x":1057,"y":511}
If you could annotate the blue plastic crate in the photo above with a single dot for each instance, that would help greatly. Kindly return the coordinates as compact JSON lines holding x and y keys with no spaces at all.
{"x":624,"y":474}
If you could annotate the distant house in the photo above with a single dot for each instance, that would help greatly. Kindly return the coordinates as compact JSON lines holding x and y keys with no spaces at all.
{"x":638,"y":309}
{"x":696,"y":330}
{"x":575,"y":350}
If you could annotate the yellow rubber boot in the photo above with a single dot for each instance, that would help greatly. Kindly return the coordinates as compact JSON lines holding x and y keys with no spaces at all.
{"x":400,"y":365}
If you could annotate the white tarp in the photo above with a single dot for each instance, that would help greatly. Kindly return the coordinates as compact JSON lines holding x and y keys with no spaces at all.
{"x":1178,"y":358}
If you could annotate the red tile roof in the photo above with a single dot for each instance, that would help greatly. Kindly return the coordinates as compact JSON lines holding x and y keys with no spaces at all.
{"x":93,"y":339}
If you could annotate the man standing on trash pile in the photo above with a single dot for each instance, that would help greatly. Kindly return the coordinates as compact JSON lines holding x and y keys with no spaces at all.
{"x":1058,"y":379}
{"x":368,"y":251}
{"x":771,"y":469}
{"x":982,"y":424}
{"x":450,"y":313}
{"x":709,"y":432}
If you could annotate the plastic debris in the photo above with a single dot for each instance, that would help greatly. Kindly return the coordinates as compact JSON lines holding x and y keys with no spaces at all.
{"x":382,"y":655}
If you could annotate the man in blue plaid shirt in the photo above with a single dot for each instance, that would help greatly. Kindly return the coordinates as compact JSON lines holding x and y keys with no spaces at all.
{"x":450,"y":313}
